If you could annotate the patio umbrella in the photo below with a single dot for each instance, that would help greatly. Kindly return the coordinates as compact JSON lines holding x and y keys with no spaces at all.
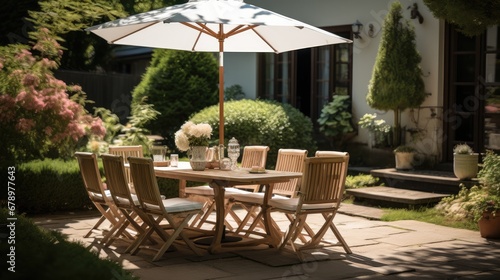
{"x":215,"y":26}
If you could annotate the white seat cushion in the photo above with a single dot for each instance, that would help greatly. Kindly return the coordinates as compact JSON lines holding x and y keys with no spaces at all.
{"x":200,"y":190}
{"x":291,"y":204}
{"x":98,"y":196}
{"x":125,"y":201}
{"x":251,"y":197}
{"x":178,"y":204}
{"x":236,"y":190}
{"x":248,"y":197}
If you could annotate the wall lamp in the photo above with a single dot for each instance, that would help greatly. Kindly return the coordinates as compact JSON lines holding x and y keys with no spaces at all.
{"x":356,"y":29}
{"x":414,"y":13}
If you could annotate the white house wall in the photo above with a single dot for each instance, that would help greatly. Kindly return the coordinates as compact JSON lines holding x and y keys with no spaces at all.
{"x":241,"y":68}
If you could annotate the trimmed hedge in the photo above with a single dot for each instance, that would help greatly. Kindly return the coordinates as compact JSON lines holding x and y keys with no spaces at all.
{"x":261,"y":122}
{"x":42,"y":254}
{"x":52,"y":185}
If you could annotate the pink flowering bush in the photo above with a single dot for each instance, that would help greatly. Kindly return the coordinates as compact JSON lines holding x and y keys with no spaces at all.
{"x":39,"y":113}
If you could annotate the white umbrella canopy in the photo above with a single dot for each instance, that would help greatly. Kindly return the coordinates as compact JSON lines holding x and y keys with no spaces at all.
{"x":215,"y":26}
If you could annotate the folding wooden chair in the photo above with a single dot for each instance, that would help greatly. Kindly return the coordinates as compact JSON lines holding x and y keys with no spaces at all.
{"x":176,"y":211}
{"x":321,"y":192}
{"x":291,"y":160}
{"x":252,"y":156}
{"x":100,"y":197}
{"x":124,"y":200}
{"x":125,"y":152}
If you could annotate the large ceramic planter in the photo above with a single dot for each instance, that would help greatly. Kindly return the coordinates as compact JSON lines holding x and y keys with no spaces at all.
{"x":465,"y":165}
{"x":198,"y":157}
{"x":489,"y":225}
{"x":404,"y":160}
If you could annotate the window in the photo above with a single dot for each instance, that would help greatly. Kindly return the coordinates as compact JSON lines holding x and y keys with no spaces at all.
{"x":308,"y":78}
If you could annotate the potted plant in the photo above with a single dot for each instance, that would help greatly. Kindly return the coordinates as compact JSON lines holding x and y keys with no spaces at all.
{"x":465,"y":162}
{"x":335,"y":120}
{"x":378,"y":130}
{"x":397,"y":81}
{"x":484,"y":201}
{"x":480,"y":203}
{"x":404,"y":157}
{"x":487,"y":213}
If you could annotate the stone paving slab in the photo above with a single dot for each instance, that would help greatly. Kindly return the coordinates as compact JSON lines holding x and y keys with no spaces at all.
{"x":388,"y":250}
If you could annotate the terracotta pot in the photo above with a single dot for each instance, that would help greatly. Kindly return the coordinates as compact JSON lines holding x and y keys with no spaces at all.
{"x":489,"y":225}
{"x":404,"y":160}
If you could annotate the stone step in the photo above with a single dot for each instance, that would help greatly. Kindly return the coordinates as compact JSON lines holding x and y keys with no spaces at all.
{"x":433,"y":181}
{"x":396,"y":195}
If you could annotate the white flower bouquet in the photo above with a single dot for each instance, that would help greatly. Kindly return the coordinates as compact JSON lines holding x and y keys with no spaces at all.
{"x":192,"y":134}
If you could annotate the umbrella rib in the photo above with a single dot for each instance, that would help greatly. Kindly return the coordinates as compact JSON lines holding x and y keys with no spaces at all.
{"x":132,"y":33}
{"x":238,"y":29}
{"x":202,"y":28}
{"x":264,"y":39}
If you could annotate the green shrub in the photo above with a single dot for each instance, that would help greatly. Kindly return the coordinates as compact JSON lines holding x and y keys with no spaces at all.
{"x":177,"y":83}
{"x":42,"y":254}
{"x":259,"y":122}
{"x":56,"y":185}
{"x":50,"y":185}
{"x":335,"y":119}
{"x":359,"y":181}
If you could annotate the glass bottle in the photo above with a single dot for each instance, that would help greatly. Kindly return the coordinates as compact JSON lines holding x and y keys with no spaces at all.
{"x":233,"y":152}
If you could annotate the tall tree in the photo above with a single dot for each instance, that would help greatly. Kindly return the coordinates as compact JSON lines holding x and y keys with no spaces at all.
{"x":396,"y":82}
{"x":472,"y":17}
{"x":178,"y":84}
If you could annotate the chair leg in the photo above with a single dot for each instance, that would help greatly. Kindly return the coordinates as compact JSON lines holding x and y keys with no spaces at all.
{"x":202,"y":217}
{"x":107,"y":214}
{"x":151,"y":222}
{"x":112,"y":232}
{"x":340,"y":238}
{"x":96,"y":226}
{"x":130,"y":220}
{"x":307,"y":228}
{"x":169,"y":239}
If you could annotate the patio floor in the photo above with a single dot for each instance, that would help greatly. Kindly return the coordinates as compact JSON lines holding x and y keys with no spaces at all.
{"x":388,"y":250}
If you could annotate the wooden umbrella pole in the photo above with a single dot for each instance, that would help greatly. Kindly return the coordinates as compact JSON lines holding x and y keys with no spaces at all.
{"x":221,"y":85}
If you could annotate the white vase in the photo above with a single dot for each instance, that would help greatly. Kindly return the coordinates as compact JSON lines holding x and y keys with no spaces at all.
{"x":465,"y":166}
{"x":198,"y":157}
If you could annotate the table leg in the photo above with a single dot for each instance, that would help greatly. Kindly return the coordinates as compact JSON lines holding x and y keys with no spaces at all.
{"x":219,"y":214}
{"x":182,"y":188}
{"x":272,"y":233}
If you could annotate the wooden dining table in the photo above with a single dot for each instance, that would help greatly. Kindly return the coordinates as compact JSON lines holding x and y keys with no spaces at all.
{"x":221,"y":179}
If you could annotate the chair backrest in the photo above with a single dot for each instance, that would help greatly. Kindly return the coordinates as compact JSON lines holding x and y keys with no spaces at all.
{"x":91,"y":175}
{"x":254,"y":156}
{"x":125,"y":152}
{"x":146,"y":186}
{"x":116,"y":180}
{"x":323,"y":180}
{"x":329,"y":153}
{"x":291,"y":160}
